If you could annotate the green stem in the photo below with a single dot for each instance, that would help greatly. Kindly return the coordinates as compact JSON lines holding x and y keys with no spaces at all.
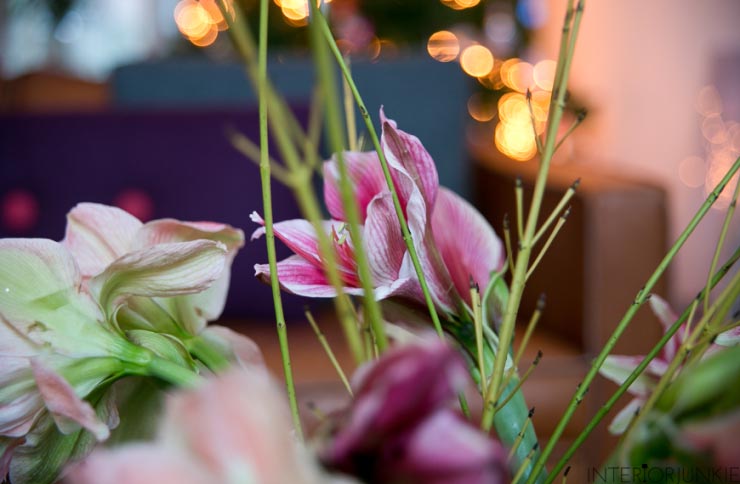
{"x":606,"y":408}
{"x":327,"y":80}
{"x":280,"y":118}
{"x":168,"y":371}
{"x":408,"y":239}
{"x":267,"y":207}
{"x":641,"y":297}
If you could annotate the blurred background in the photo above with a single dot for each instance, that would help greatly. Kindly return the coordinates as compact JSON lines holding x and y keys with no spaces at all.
{"x":129,"y":103}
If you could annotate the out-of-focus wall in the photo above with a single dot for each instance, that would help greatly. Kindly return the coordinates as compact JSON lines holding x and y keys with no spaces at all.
{"x":643,"y":68}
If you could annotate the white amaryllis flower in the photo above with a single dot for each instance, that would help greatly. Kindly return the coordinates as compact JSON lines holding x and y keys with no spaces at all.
{"x":68,"y":312}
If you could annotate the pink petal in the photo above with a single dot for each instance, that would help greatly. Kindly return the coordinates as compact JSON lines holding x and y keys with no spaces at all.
{"x":137,"y":464}
{"x":467,"y":243}
{"x":64,"y":405}
{"x":730,"y":337}
{"x":98,"y":234}
{"x":405,"y":152}
{"x":298,"y":276}
{"x":245,"y":350}
{"x":7,"y":446}
{"x":622,"y":419}
{"x":299,"y":235}
{"x":367,"y":178}
{"x":383,"y":240}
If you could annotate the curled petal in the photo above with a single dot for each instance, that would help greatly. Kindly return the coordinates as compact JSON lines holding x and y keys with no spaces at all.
{"x":299,"y":235}
{"x":367,"y":179}
{"x":160,"y":271}
{"x":383,"y":240}
{"x":467,"y":243}
{"x":405,"y":153}
{"x":98,"y":234}
{"x":64,"y":404}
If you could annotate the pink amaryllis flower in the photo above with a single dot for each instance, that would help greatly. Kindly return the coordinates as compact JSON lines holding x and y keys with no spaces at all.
{"x":401,"y":426}
{"x":618,"y":367}
{"x":232,"y":429}
{"x":453,"y":240}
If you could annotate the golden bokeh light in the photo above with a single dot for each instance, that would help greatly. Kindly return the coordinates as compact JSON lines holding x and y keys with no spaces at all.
{"x":200,"y":21}
{"x":544,"y":74}
{"x":692,"y":171}
{"x":518,"y":76}
{"x":515,"y":140}
{"x":460,"y":4}
{"x":443,"y":46}
{"x":713,"y":129}
{"x":476,"y":60}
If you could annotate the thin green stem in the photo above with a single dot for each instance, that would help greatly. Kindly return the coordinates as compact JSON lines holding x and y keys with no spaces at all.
{"x":556,"y":211}
{"x":280,"y":116}
{"x":386,"y":172}
{"x":579,"y":119}
{"x":506,"y":331}
{"x":519,"y":195}
{"x":519,"y":384}
{"x":170,"y":372}
{"x":327,"y":348}
{"x":530,"y":329}
{"x":478,"y":325}
{"x":267,"y":208}
{"x":532,"y":118}
{"x":349,"y":112}
{"x":721,"y":241}
{"x":641,"y":297}
{"x":548,"y":242}
{"x":606,"y":407}
{"x":327,"y":80}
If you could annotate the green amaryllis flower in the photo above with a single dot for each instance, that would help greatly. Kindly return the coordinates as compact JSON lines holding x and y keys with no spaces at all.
{"x":63,"y":338}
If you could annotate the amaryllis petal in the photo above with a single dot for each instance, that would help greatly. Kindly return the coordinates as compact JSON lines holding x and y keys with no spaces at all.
{"x":40,"y":298}
{"x":617,"y":368}
{"x":667,"y":317}
{"x":7,"y":447}
{"x":137,"y":464}
{"x":195,"y":310}
{"x":622,"y":420}
{"x":444,"y":449}
{"x":242,"y":349}
{"x":298,"y":276}
{"x":729,"y":338}
{"x":383,"y":240}
{"x":299,"y":235}
{"x":406,"y":153}
{"x":467,"y":243}
{"x":162,"y":270}
{"x":64,"y":404}
{"x":366,"y":175}
{"x":98,"y":234}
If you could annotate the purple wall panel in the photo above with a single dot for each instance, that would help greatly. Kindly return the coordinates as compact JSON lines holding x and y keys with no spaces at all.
{"x":179,"y":163}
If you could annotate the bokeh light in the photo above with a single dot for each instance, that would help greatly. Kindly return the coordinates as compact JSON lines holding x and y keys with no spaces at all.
{"x":460,"y":4}
{"x":443,"y":46}
{"x":708,"y":102}
{"x":476,"y":60}
{"x":544,"y":74}
{"x":201,"y":21}
{"x":692,"y":171}
{"x":480,"y":108}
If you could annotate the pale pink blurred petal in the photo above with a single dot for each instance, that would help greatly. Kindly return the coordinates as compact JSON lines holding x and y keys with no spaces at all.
{"x":137,"y":464}
{"x":405,"y":152}
{"x":7,"y":447}
{"x":244,"y":349}
{"x":729,"y":338}
{"x":622,"y":419}
{"x":367,"y":178}
{"x":467,"y":243}
{"x":617,"y":368}
{"x":162,"y":270}
{"x":667,"y":317}
{"x":718,"y":437}
{"x":98,"y":234}
{"x":65,"y":406}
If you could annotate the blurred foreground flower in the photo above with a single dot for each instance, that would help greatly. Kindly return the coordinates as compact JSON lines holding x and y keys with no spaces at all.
{"x":66,"y":334}
{"x":232,"y":429}
{"x":617,"y":368}
{"x":453,"y":240}
{"x":402,"y":428}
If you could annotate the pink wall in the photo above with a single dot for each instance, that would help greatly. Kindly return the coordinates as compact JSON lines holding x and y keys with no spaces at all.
{"x":640,"y":65}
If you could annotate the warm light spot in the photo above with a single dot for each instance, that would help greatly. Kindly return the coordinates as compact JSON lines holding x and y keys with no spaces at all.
{"x":708,"y":102}
{"x":713,"y":129}
{"x":541,"y":104}
{"x":480,"y":108}
{"x":443,"y":46}
{"x":692,"y":171}
{"x":519,"y":76}
{"x":718,"y":166}
{"x":293,"y":10}
{"x":513,"y":107}
{"x":207,"y":39}
{"x":460,"y":4}
{"x":373,"y":48}
{"x":544,"y":74}
{"x":476,"y":60}
{"x":215,"y":13}
{"x":19,"y":211}
{"x":192,"y":19}
{"x":733,"y":133}
{"x":515,"y":141}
